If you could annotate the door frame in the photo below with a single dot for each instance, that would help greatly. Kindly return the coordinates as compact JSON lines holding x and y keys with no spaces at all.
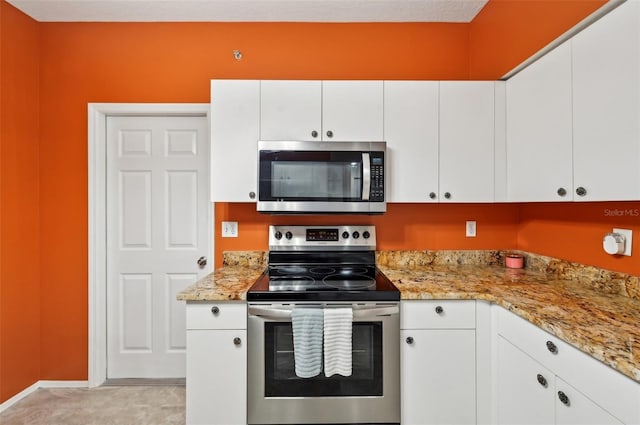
{"x":97,"y":222}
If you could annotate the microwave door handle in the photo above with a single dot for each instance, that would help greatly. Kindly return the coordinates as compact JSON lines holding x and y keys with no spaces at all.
{"x":366,"y":176}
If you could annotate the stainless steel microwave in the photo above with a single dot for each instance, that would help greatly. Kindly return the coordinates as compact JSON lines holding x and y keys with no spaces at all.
{"x":296,"y":177}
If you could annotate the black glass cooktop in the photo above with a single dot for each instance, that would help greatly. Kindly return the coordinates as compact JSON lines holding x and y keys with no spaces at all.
{"x":327,"y":276}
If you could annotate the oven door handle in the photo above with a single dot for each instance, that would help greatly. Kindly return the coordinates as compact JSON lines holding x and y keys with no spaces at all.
{"x":358,"y":312}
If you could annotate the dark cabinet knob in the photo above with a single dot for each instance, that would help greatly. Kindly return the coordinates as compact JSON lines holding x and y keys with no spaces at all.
{"x":432,"y":195}
{"x":552,"y":347}
{"x":252,"y":195}
{"x":581,"y":191}
{"x":329,"y":134}
{"x":314,"y":134}
{"x":439,"y":310}
{"x":237,"y":341}
{"x":215,"y":310}
{"x":409,"y":340}
{"x":564,"y":399}
{"x":542,"y":380}
{"x":562,"y":191}
{"x":202,"y":261}
{"x":447,"y":195}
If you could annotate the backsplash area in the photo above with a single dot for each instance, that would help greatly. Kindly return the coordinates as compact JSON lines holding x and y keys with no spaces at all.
{"x":610,"y":282}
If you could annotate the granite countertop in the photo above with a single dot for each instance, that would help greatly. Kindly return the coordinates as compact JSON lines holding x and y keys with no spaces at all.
{"x":596,"y":319}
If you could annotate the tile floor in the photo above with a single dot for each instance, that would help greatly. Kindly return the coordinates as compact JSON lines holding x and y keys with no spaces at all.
{"x":107,"y":405}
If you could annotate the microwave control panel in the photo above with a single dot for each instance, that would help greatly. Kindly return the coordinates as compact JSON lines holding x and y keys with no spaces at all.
{"x":377,"y":177}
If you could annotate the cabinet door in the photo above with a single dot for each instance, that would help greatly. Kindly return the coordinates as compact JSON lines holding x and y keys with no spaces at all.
{"x":290,"y":110}
{"x":606,"y":106}
{"x":352,"y":110}
{"x":411,"y":133}
{"x":573,"y":408}
{"x":438,"y":376}
{"x":216,"y":377}
{"x":235,"y":124}
{"x":525,"y":388}
{"x":539,"y":130}
{"x":466,"y":141}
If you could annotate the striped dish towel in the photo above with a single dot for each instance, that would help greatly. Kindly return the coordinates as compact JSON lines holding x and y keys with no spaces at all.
{"x":338,"y":329}
{"x":307,"y":341}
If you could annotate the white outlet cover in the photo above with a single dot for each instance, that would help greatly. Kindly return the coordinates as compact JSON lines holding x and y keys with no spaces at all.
{"x":471,"y":229}
{"x":628,"y":238}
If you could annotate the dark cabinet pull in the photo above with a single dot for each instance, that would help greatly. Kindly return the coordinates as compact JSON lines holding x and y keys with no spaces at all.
{"x":329,"y":133}
{"x":314,"y":134}
{"x":447,"y":195}
{"x":581,"y":191}
{"x":562,"y":191}
{"x":542,"y":380}
{"x":237,"y":341}
{"x":409,"y":340}
{"x":564,"y":399}
{"x":432,"y":195}
{"x":552,"y":347}
{"x":439,"y":310}
{"x":215,"y":310}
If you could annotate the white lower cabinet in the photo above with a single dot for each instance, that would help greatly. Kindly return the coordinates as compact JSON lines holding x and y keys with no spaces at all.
{"x":528,"y":393}
{"x":525,"y":388}
{"x":543,"y":380}
{"x":216,"y":364}
{"x":438,"y":362}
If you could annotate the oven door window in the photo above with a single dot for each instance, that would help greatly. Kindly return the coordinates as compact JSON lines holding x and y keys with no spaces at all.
{"x":281,"y":379}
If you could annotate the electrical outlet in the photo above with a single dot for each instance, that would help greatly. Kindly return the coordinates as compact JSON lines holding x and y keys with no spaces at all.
{"x":229,"y":229}
{"x":471,"y":229}
{"x":628,"y":237}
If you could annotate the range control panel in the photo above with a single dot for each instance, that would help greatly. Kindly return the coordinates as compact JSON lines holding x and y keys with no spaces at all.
{"x":309,"y":238}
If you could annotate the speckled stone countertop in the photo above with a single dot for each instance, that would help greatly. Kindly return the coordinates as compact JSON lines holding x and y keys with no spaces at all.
{"x":596,"y":311}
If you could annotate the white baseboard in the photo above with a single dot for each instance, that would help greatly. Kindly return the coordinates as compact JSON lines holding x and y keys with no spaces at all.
{"x":41,"y":384}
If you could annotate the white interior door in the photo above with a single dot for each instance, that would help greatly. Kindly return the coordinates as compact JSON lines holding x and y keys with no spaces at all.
{"x":158,"y":226}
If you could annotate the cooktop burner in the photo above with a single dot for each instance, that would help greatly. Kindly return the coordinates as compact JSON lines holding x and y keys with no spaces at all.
{"x":322,"y":263}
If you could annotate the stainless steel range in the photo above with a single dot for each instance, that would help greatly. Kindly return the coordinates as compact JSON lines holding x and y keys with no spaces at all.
{"x":327,"y":269}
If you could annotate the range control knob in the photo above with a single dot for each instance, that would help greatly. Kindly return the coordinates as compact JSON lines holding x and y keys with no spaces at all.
{"x":278,"y":235}
{"x":288,"y":235}
{"x":356,"y":235}
{"x":366,"y":234}
{"x":345,"y":235}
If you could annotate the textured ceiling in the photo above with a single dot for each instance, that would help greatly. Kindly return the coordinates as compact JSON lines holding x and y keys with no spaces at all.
{"x":251,"y":10}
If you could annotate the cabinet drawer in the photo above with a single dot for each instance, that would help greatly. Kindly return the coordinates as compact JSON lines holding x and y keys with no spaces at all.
{"x":438,"y":314}
{"x":221,"y":315}
{"x":616,"y":393}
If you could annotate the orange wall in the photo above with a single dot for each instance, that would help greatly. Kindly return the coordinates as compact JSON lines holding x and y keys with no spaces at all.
{"x":403,"y":226}
{"x":574,"y":232}
{"x":507,"y":32}
{"x":173,"y":62}
{"x":19,"y":219}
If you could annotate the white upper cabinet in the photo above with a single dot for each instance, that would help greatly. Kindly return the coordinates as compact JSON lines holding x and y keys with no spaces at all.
{"x":352,"y":110}
{"x":290,"y":110}
{"x":539,"y":130}
{"x":321,"y":110}
{"x":235,"y":128}
{"x":411,"y":133}
{"x":467,"y":123}
{"x":606,"y":107}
